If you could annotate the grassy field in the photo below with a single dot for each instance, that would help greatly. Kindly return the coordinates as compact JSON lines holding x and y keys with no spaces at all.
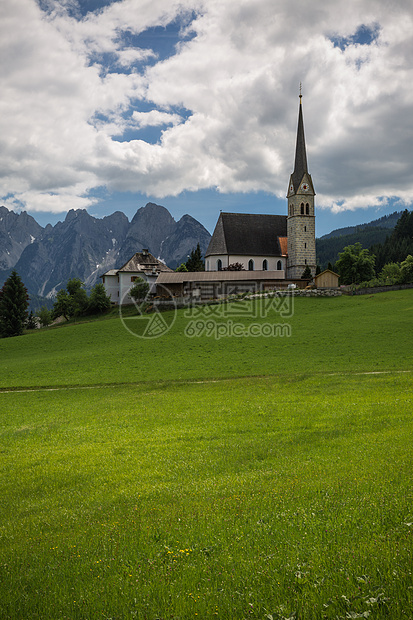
{"x":203,"y":477}
{"x":327,"y":334}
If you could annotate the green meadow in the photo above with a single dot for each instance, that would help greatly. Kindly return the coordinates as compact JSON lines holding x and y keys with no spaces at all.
{"x":203,"y":474}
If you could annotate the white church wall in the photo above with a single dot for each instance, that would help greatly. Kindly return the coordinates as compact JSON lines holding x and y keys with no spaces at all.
{"x":211,"y":263}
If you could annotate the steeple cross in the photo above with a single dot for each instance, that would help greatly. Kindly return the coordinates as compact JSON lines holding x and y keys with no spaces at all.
{"x":300,"y":90}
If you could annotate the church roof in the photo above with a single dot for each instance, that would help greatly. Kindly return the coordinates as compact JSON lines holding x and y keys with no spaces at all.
{"x":283,"y":241}
{"x":248,"y":234}
{"x":300,"y":166}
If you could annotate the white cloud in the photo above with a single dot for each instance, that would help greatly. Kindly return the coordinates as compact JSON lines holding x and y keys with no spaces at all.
{"x":154,"y":118}
{"x":63,"y":105}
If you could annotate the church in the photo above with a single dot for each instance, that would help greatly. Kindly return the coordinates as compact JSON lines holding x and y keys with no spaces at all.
{"x":281,"y":244}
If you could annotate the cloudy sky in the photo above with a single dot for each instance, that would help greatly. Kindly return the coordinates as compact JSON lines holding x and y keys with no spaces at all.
{"x":193,"y":104}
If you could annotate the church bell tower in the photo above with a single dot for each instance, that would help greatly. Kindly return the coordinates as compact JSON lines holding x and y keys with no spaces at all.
{"x":301,"y":216}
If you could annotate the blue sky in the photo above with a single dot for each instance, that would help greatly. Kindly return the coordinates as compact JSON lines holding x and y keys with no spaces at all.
{"x":193,"y":104}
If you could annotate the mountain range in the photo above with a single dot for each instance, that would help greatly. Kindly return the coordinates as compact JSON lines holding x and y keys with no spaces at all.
{"x":85,"y":247}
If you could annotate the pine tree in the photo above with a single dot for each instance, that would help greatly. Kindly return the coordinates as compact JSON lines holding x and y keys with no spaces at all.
{"x":31,"y":321}
{"x":307,"y":275}
{"x":195,"y":262}
{"x":14,"y":302}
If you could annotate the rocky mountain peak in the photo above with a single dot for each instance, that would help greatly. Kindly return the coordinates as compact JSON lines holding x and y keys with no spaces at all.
{"x":86,"y":247}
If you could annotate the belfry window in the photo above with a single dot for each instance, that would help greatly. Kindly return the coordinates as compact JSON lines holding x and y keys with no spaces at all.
{"x":307,"y":209}
{"x":302,"y":208}
{"x":250,"y":265}
{"x":279,"y":265}
{"x":219,"y":264}
{"x":265,"y":265}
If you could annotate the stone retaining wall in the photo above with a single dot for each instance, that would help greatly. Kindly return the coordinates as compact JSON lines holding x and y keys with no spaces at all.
{"x":377,"y":289}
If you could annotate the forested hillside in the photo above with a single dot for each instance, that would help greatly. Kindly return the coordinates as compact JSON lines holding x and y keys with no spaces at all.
{"x":328,"y":249}
{"x":396,"y":246}
{"x":389,"y":238}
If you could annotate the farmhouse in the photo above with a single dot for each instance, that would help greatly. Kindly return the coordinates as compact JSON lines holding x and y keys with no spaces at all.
{"x":118,"y":282}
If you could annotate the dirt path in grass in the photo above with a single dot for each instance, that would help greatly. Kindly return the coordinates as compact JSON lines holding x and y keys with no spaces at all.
{"x":101,"y":386}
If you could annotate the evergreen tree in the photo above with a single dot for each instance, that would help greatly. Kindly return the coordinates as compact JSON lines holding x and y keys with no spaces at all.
{"x":31,"y":321}
{"x":181,"y":268}
{"x":98,"y":301}
{"x":14,"y":302}
{"x":195,"y":262}
{"x":307,"y":275}
{"x":398,"y":245}
{"x":78,"y":297}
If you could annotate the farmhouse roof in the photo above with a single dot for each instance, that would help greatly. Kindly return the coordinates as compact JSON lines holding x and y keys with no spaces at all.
{"x":179,"y":277}
{"x":141,"y":261}
{"x":111,"y":272}
{"x":248,"y":234}
{"x":144,"y":261}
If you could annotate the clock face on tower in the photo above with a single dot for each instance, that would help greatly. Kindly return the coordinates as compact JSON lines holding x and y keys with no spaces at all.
{"x":291,"y":187}
{"x":305,"y":187}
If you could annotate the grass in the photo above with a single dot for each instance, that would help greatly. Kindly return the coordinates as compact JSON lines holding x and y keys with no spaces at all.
{"x":166,"y":492}
{"x":350,"y":333}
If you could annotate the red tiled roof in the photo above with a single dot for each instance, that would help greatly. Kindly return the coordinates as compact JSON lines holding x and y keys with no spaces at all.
{"x":283,"y":241}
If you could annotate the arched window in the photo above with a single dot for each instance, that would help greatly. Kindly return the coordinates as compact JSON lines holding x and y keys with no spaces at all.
{"x":302,"y":208}
{"x":265,"y":265}
{"x":279,"y":265}
{"x":219,"y":264}
{"x":250,"y":265}
{"x":291,"y":209}
{"x":207,"y":265}
{"x":307,"y":209}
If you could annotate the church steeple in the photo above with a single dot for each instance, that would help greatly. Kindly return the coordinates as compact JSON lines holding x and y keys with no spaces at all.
{"x":300,"y":178}
{"x":301,"y":215}
{"x":300,"y":166}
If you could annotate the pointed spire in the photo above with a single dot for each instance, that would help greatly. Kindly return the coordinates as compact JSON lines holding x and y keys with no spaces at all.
{"x":300,"y":166}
